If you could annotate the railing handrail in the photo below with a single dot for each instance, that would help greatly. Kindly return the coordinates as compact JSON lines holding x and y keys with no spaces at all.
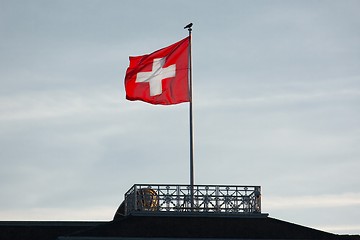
{"x":206,"y":198}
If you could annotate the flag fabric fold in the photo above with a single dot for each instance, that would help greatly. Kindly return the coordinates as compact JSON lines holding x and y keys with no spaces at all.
{"x":160,"y":77}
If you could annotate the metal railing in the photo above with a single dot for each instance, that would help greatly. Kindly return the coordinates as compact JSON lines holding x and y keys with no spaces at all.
{"x":200,"y":198}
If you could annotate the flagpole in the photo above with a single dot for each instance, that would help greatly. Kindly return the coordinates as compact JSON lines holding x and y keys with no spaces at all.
{"x":191,"y":123}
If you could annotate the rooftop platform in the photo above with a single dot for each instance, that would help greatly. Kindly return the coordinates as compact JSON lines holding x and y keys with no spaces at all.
{"x":153,"y":211}
{"x":178,"y":199}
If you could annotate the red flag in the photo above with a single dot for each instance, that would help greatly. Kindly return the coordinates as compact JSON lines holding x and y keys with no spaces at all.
{"x":160,"y":77}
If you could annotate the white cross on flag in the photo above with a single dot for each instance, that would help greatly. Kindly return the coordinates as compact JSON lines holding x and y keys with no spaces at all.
{"x":160,"y":77}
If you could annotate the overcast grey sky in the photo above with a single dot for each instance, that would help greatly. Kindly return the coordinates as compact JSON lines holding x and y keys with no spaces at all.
{"x":276,"y":104}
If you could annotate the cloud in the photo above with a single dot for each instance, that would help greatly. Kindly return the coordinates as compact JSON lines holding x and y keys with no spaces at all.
{"x":276,"y":96}
{"x":313,"y":201}
{"x":93,"y":213}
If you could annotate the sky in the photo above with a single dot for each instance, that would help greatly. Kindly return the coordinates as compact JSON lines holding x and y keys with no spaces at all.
{"x":276,"y":104}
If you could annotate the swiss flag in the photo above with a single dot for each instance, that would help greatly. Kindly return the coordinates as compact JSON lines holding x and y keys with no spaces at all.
{"x":160,"y":77}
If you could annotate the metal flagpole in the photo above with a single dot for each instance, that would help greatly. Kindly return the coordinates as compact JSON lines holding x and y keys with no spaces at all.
{"x":191,"y":123}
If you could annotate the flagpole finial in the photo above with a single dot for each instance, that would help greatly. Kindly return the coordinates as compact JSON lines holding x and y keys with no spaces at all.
{"x":189,"y":26}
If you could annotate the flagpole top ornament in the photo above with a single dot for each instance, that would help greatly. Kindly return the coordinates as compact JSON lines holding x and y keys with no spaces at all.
{"x":189,"y":27}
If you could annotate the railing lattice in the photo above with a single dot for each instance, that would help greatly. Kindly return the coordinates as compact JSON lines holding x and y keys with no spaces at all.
{"x":206,"y":198}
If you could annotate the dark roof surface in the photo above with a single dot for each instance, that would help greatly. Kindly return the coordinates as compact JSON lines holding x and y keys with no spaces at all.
{"x":41,"y":230}
{"x":189,"y":226}
{"x":167,"y":226}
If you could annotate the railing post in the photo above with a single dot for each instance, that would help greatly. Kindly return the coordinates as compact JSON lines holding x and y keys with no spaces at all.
{"x":135,"y":198}
{"x":178,"y":198}
{"x":126,"y":204}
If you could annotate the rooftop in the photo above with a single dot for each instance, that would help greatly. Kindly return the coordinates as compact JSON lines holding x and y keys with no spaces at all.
{"x":152,"y":211}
